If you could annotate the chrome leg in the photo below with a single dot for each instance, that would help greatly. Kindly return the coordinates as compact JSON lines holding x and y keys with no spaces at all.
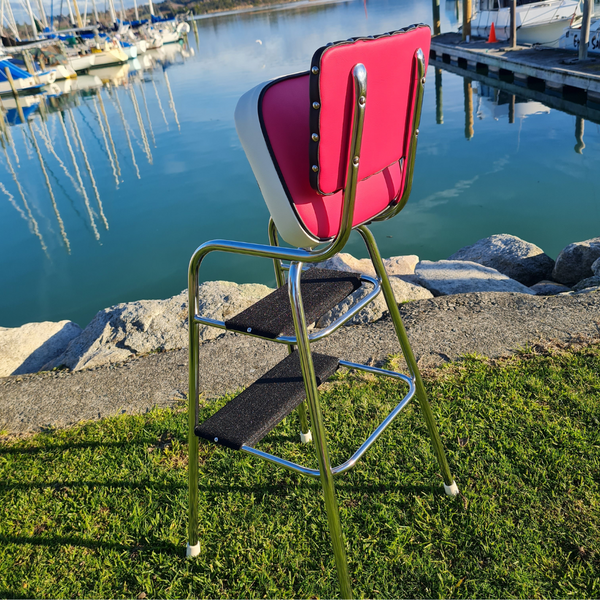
{"x":449,"y":483}
{"x":314,"y":406}
{"x":305,"y":434}
{"x":193,"y":545}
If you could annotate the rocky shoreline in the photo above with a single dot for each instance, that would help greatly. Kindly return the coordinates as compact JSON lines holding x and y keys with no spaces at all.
{"x":133,"y":356}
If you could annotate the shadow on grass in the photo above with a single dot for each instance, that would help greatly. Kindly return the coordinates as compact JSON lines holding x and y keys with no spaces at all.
{"x":93,"y":545}
{"x":4,"y":593}
{"x":262,"y":490}
{"x":83,"y":445}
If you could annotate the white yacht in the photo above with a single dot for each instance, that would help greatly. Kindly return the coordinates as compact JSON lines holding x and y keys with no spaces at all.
{"x":537,"y":22}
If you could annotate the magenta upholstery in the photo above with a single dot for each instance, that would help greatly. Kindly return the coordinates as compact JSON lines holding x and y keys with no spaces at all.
{"x":286,"y":121}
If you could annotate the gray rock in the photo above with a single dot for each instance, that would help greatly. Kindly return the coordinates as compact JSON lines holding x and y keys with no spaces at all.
{"x":549,"y":288}
{"x":520,"y":260}
{"x":574,"y":263}
{"x":588,"y":290}
{"x":584,"y":284}
{"x":125,"y":330}
{"x":596,"y":267}
{"x":403,"y":291}
{"x":460,"y":277}
{"x":28,"y":348}
{"x":396,"y":265}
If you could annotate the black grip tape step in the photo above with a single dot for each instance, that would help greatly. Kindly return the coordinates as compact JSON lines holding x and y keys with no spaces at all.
{"x":271,"y":317}
{"x":247,"y":418}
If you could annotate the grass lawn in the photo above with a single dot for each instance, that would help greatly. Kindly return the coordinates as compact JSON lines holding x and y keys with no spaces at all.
{"x":99,"y":510}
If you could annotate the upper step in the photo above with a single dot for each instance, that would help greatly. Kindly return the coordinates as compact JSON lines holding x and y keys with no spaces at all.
{"x":246,"y":419}
{"x":271,"y":317}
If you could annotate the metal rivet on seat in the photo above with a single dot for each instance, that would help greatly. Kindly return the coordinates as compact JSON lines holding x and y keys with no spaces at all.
{"x":315,"y":168}
{"x":249,"y":329}
{"x":423,"y":81}
{"x":216,"y":439}
{"x":315,"y":70}
{"x":416,"y":132}
{"x":355,"y":161}
{"x":316,"y":105}
{"x":315,"y":137}
{"x":362,"y":100}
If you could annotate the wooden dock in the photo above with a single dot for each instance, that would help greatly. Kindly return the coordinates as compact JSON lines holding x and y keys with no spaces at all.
{"x":549,"y":70}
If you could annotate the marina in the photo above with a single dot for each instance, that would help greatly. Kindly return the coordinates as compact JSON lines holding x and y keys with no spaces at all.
{"x":101,"y":173}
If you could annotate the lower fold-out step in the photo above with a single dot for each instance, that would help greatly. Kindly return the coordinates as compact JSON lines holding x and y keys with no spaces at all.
{"x":246,"y":419}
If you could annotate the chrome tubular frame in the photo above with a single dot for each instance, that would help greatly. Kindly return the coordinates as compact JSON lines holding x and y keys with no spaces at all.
{"x":351,"y":462}
{"x":315,"y":335}
{"x":409,"y":165}
{"x":408,"y":353}
{"x":302,"y":340}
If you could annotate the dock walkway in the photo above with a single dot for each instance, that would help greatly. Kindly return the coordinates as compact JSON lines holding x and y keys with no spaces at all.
{"x":549,"y":70}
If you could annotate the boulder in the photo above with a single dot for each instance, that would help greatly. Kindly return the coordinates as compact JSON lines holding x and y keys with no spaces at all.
{"x":596,"y":267}
{"x":574,"y":263}
{"x":584,"y":284}
{"x":460,"y":277}
{"x":404,"y":291}
{"x":520,"y":260}
{"x":28,"y":348}
{"x":549,"y":288}
{"x":119,"y":332}
{"x":397,"y":265}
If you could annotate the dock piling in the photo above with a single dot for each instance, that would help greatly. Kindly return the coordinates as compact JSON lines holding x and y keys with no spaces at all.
{"x":439,"y":107}
{"x":584,"y":39}
{"x":437,"y":29}
{"x":469,"y":131}
{"x":513,"y":23}
{"x":466,"y":26}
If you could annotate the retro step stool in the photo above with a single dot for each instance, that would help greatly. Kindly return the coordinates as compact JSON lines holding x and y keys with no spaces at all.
{"x":328,"y":159}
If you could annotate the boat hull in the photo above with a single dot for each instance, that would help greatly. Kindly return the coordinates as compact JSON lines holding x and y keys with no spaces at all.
{"x":539,"y":23}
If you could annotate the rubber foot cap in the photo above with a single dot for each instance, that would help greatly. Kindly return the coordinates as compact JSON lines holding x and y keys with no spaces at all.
{"x":192,"y":551}
{"x":306,"y":438}
{"x":451,"y":490}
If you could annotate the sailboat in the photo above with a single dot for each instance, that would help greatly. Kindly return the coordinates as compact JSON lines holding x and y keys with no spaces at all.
{"x":12,"y":76}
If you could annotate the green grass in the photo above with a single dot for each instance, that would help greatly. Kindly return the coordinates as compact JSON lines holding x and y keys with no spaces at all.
{"x":99,"y":510}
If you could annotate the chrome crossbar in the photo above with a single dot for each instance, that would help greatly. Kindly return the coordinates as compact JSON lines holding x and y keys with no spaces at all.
{"x":315,"y":335}
{"x":351,"y":462}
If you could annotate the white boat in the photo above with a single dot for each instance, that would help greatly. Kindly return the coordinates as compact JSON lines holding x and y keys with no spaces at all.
{"x":572,"y":36}
{"x":21,"y":79}
{"x":537,"y":22}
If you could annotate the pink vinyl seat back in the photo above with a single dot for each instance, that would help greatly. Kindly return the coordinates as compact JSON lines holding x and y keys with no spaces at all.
{"x":296,"y":132}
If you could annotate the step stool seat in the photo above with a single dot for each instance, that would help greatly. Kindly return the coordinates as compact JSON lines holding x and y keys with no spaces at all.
{"x":271,"y":317}
{"x":246,"y":419}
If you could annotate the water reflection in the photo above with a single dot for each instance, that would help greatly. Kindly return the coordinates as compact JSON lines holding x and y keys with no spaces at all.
{"x":59,"y":126}
{"x":499,"y":103}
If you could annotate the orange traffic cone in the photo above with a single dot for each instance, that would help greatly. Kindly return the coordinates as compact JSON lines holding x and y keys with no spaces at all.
{"x":492,"y":39}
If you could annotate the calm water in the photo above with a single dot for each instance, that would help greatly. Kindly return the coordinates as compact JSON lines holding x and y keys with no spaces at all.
{"x":98,"y":210}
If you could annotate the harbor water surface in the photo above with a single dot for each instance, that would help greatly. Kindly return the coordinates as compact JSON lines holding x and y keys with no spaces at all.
{"x":106,"y":191}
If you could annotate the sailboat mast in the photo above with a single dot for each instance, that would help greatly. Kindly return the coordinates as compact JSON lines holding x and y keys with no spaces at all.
{"x":30,"y":12}
{"x":71,"y":18}
{"x":42,"y":13}
{"x":113,"y":12}
{"x":77,"y":15}
{"x":95,"y":12}
{"x":137,"y":16}
{"x":151,"y":7}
